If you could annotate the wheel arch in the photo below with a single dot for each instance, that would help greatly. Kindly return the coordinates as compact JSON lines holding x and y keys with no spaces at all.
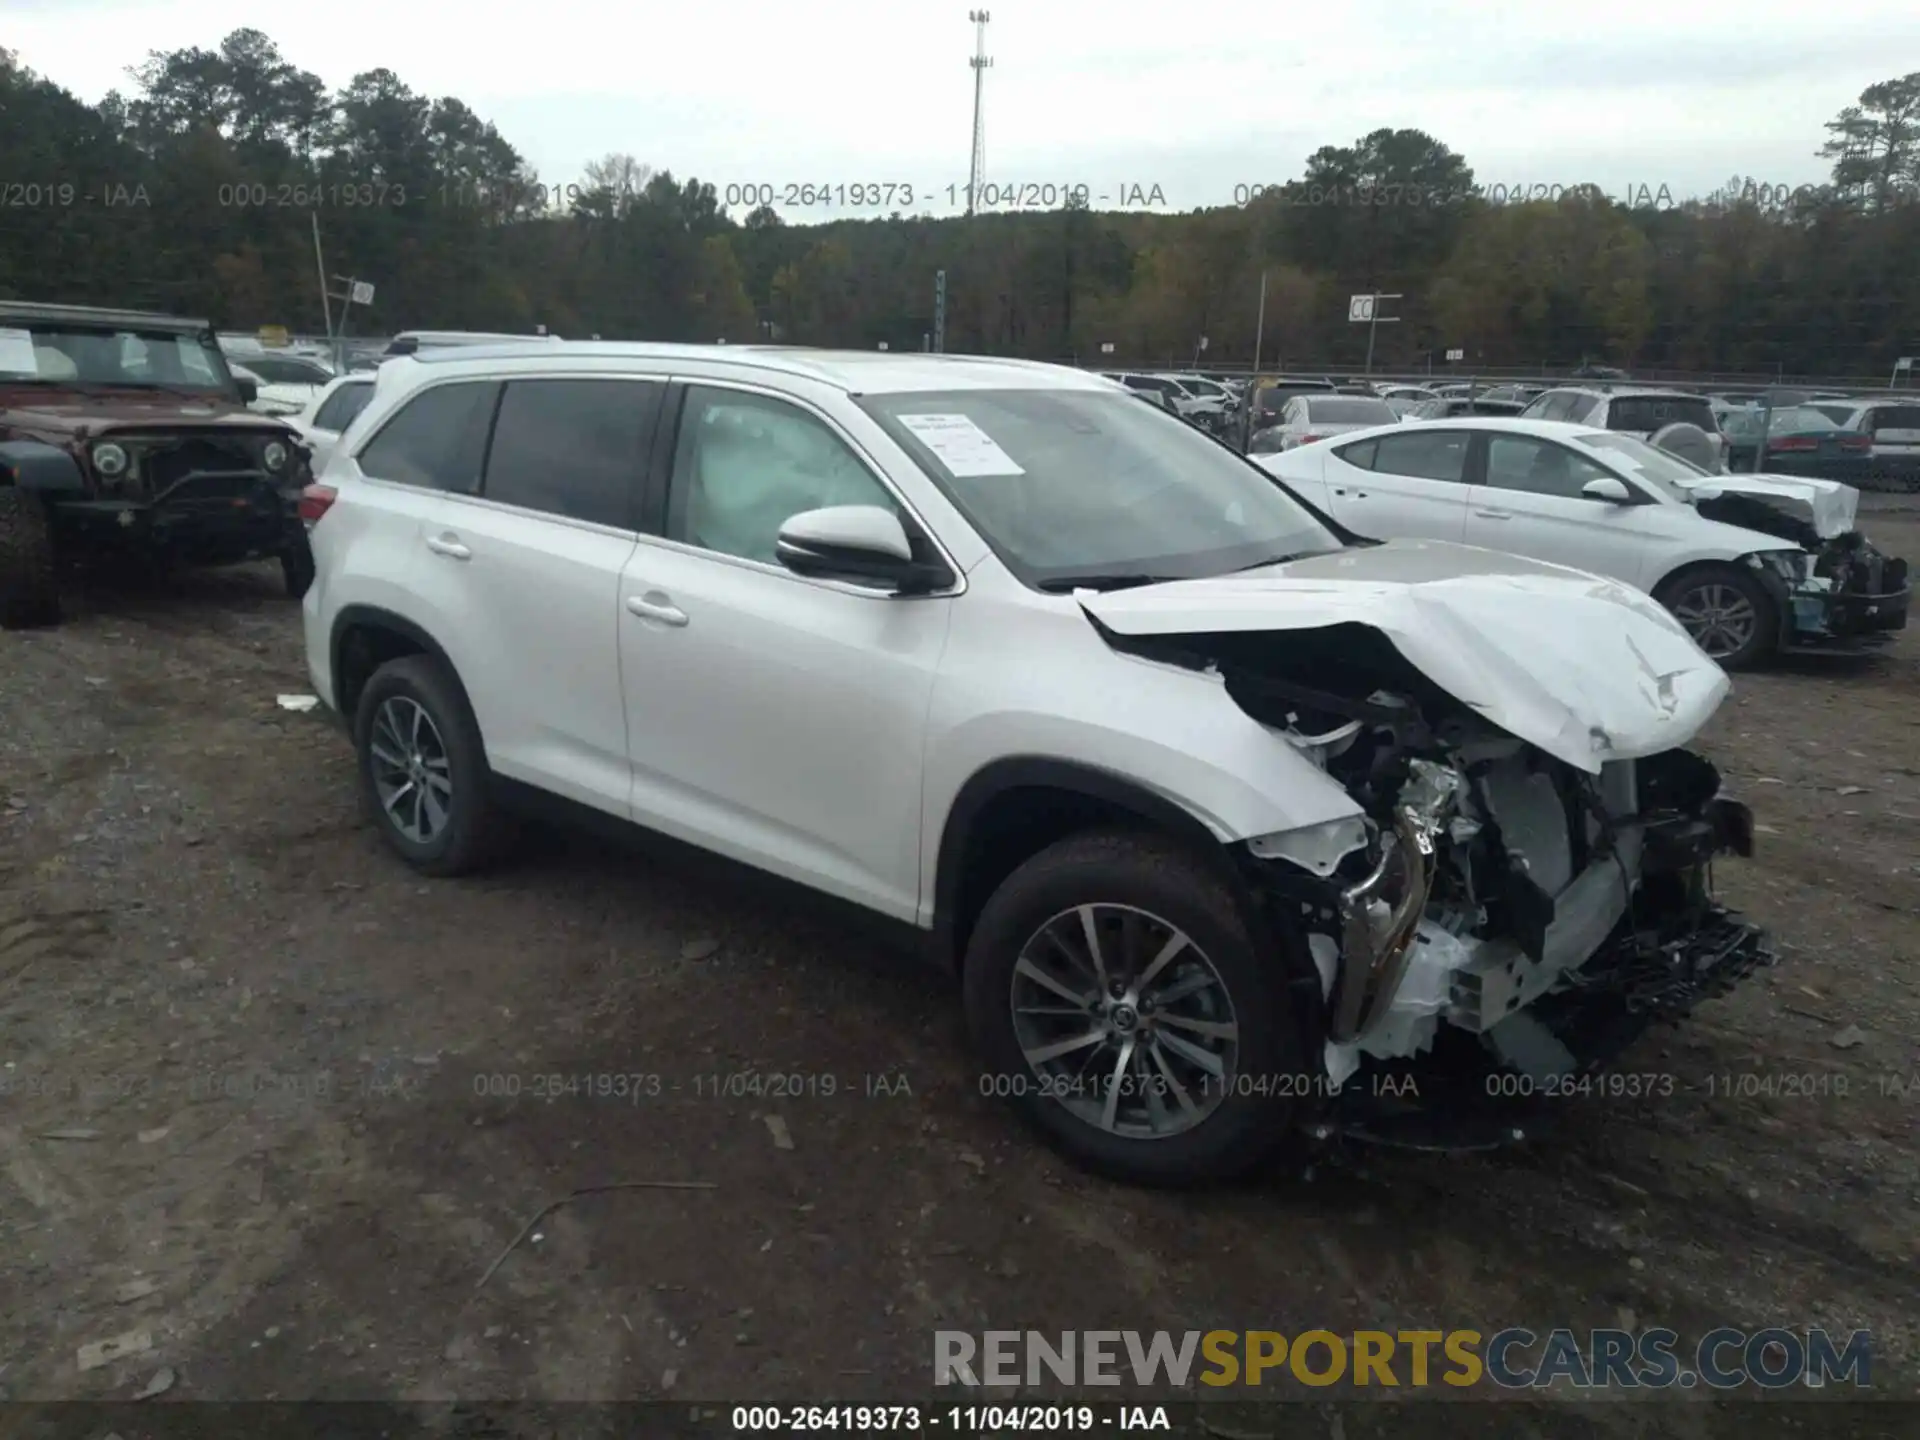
{"x":365,"y":637}
{"x":42,"y":468}
{"x":1769,"y":583}
{"x":1012,"y":808}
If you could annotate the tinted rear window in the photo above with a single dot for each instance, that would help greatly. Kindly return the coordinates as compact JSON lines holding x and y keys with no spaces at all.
{"x":1648,"y":413}
{"x":1896,"y":417}
{"x":1337,"y":411}
{"x":436,"y":440}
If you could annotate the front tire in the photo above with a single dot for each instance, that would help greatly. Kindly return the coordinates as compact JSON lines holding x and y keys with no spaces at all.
{"x":423,"y":769}
{"x":29,"y":594}
{"x":1727,"y":612}
{"x":1189,"y":1067}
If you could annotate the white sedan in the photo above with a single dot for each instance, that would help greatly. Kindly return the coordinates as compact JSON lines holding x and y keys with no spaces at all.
{"x":1746,"y":562}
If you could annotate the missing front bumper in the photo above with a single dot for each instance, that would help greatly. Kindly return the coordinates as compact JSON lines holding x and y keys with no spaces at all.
{"x":1476,"y":1093}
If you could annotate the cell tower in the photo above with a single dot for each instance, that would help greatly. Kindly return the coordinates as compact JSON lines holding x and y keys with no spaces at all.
{"x":977,"y":169}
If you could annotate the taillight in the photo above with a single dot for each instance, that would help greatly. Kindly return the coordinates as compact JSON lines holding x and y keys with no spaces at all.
{"x":1793,"y":442}
{"x":1309,"y":439}
{"x":1856,"y":442}
{"x":315,"y":501}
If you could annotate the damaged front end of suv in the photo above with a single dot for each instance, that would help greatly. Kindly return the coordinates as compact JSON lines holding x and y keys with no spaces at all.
{"x":1498,"y":921}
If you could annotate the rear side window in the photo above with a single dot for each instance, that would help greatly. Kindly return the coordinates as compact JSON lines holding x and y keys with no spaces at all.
{"x":342,"y":407}
{"x":1429,"y":455}
{"x":1359,"y":456}
{"x":1644,"y":414}
{"x":437,"y":439}
{"x":572,"y":447}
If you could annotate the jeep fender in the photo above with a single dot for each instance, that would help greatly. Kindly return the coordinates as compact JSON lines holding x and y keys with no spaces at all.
{"x":40,"y":467}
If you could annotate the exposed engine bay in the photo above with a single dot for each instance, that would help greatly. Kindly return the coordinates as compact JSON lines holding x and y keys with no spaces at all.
{"x":1494,"y":902}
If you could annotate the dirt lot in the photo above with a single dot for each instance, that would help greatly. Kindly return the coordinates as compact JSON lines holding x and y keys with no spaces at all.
{"x":269,"y":1047}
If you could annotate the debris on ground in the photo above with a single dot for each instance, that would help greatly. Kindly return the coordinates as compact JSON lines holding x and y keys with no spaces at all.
{"x":299,"y":704}
{"x":96,"y":1353}
{"x":1848,"y":1038}
{"x":782,"y":1137}
{"x":161,"y":1382}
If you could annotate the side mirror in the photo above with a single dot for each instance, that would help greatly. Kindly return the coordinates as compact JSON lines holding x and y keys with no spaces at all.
{"x":862,"y":543}
{"x":249,"y":391}
{"x":1614,"y":492}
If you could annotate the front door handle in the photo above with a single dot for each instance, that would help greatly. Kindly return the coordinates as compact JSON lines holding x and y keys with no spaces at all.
{"x":661,"y":610}
{"x":448,"y":546}
{"x":1494,"y":514}
{"x":1351,"y":494}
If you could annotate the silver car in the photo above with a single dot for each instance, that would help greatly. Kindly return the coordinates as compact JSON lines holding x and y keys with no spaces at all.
{"x":1307,"y":418}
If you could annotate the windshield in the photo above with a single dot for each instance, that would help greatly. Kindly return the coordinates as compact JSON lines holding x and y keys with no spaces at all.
{"x":60,"y":353}
{"x":1072,"y":486}
{"x":1349,"y":412}
{"x":1647,"y":413}
{"x":1664,"y":471}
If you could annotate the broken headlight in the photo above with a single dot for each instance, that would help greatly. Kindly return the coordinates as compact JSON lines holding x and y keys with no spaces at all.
{"x":1792,"y":566}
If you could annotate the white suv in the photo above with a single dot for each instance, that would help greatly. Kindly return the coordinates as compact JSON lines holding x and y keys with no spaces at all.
{"x":1216,"y":811}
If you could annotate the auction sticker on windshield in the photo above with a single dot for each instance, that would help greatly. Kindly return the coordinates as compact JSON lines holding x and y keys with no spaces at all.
{"x":16,"y":352}
{"x":960,"y":445}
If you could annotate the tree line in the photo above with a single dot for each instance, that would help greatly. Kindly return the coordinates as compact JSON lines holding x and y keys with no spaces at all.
{"x":196,"y":191}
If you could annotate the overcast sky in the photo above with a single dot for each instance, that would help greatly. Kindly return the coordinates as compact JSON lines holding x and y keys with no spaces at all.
{"x":1118,"y":95}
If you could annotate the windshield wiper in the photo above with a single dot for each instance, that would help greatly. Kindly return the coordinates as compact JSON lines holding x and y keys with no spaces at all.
{"x":1063,"y":584}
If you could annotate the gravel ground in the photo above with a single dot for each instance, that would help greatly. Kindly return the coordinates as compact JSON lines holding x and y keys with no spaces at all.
{"x":255,"y":1091}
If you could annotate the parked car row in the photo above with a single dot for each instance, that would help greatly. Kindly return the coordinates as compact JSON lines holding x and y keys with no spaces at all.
{"x":1197,"y":770}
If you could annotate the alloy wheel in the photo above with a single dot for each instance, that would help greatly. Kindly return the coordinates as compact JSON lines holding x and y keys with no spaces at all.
{"x":412,"y":776}
{"x":1720,"y":619}
{"x":1124,"y":1021}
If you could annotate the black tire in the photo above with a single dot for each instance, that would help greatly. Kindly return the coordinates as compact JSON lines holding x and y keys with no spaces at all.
{"x":29,"y":594}
{"x":474,"y":832}
{"x":296,"y":568}
{"x":1677,"y":592}
{"x":1147,"y":873}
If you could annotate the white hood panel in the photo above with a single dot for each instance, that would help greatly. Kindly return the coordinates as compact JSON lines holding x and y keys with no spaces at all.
{"x":1587,"y":669}
{"x":1828,"y":505}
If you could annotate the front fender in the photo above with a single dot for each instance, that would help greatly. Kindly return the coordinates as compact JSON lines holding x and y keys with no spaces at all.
{"x":45,"y":469}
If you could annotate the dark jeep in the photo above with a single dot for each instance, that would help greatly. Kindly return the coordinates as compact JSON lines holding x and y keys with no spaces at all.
{"x":125,"y":434}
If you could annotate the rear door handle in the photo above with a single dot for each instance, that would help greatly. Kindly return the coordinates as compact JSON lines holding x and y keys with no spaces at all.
{"x":661,"y":610}
{"x":1495,"y":514}
{"x":448,"y":546}
{"x":1355,"y":494}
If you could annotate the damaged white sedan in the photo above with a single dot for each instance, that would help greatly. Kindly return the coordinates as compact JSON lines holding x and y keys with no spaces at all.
{"x":1219,"y":811}
{"x":1751,"y":564}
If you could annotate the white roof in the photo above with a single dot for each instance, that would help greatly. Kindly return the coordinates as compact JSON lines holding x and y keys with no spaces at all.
{"x":860,"y":372}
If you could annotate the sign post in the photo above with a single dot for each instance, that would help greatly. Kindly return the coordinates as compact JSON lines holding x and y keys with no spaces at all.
{"x":1453,"y":355}
{"x":1366,"y":309}
{"x":939,"y":312}
{"x":1905,"y":362}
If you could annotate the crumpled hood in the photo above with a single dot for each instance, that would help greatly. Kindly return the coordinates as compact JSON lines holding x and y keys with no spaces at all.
{"x":1827,"y":505}
{"x":1585,"y":668}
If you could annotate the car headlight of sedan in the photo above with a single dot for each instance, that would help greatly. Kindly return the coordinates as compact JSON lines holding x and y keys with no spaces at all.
{"x":110,"y":460}
{"x":274,"y":455}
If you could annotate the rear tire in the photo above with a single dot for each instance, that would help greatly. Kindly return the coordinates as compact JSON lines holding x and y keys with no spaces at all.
{"x":423,"y":769}
{"x":1727,"y":611}
{"x":1114,"y":876}
{"x":29,"y":594}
